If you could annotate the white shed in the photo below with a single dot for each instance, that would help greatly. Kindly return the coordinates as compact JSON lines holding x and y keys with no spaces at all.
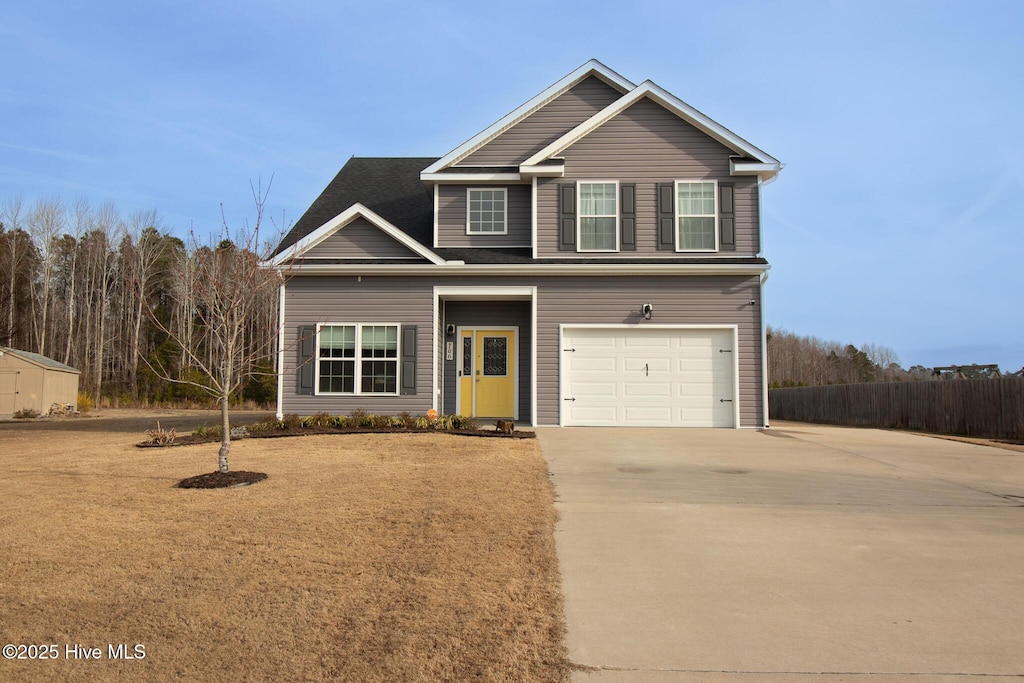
{"x":31,"y":381}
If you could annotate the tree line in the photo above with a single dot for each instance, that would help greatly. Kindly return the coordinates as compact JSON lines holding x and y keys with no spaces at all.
{"x":110,"y":294}
{"x":799,"y":361}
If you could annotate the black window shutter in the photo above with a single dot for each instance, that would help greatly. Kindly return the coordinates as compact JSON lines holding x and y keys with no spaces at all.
{"x":567,"y":217}
{"x":408,"y":360}
{"x":727,"y":216}
{"x":627,"y":216}
{"x":304,"y":375}
{"x":666,"y":217}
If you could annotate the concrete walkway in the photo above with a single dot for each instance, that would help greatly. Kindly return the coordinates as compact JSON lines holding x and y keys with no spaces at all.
{"x":803,"y":553}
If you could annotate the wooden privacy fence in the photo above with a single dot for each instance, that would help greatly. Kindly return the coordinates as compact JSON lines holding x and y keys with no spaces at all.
{"x":987,"y":408}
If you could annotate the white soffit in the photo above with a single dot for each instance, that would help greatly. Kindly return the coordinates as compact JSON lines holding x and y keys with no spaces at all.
{"x":591,"y":68}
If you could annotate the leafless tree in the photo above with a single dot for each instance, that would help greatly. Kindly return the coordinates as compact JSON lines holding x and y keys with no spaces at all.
{"x":220,"y":290}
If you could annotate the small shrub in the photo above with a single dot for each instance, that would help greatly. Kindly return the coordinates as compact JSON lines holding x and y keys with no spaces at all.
{"x":291,"y":421}
{"x":85,"y":403}
{"x":319,"y":420}
{"x":161,"y":436}
{"x":341,"y":421}
{"x":263,"y":426}
{"x":421,"y":422}
{"x":207,"y":431}
{"x":464,"y":422}
{"x":26,"y":414}
{"x":445,"y":422}
{"x":397,"y":422}
{"x":408,"y":421}
{"x":378,"y":421}
{"x":357,"y":418}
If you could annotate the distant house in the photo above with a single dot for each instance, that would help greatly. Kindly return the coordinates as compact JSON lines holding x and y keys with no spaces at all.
{"x":34,"y":382}
{"x":592,"y":258}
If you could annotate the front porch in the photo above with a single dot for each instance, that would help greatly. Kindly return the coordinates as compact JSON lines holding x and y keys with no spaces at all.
{"x":485,"y":354}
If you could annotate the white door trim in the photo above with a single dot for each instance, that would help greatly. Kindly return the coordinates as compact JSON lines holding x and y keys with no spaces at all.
{"x":484,"y":293}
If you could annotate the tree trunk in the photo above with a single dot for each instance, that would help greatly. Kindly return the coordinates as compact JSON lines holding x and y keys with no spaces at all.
{"x":225,"y":438}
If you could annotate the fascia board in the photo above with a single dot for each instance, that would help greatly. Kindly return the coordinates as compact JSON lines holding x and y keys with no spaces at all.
{"x":666,"y":100}
{"x":764,"y":171}
{"x":462,"y":178}
{"x":452,"y":268}
{"x":542,"y":170}
{"x":519,"y":113}
{"x":357,"y":210}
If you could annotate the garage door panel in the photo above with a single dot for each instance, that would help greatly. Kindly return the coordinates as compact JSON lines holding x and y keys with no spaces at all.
{"x":595,"y":389}
{"x":649,"y":377}
{"x":647,"y":415}
{"x":593,"y":364}
{"x":642,"y":389}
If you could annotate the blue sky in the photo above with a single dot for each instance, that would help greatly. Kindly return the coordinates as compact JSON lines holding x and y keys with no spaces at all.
{"x":897,"y":220}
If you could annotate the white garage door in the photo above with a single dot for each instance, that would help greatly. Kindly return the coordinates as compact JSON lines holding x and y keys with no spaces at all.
{"x":648,"y":377}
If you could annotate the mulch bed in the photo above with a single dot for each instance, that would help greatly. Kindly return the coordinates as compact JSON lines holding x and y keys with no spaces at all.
{"x":221,"y":480}
{"x":191,"y":439}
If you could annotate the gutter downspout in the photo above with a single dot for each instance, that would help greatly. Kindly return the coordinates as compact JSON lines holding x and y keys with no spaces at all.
{"x":280,"y":355}
{"x":764,"y":354}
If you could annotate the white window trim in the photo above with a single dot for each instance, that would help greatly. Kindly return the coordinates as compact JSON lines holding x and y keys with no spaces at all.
{"x":580,"y":216}
{"x":469,"y":224}
{"x":358,"y":359}
{"x":676,"y":216}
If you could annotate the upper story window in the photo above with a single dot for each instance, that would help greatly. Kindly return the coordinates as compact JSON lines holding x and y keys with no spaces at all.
{"x":696,"y":216}
{"x":363,"y":356}
{"x":598,"y":216}
{"x":486,"y":210}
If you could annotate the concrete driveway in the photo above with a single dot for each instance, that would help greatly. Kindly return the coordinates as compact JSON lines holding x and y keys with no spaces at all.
{"x":798,"y":554}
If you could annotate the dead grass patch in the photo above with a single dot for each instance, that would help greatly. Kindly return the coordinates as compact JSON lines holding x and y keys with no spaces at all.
{"x":383,"y":557}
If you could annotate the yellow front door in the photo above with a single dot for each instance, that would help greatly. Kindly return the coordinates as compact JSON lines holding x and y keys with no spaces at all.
{"x":487,"y":373}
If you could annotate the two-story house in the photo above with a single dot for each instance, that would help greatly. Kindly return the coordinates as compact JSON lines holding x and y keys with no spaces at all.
{"x":593,"y":258}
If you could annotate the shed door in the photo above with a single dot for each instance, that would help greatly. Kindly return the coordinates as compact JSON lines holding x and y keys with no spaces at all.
{"x":648,"y":377}
{"x":8,"y":392}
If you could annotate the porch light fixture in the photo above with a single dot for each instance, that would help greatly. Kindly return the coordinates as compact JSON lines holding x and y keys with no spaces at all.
{"x":647,"y":309}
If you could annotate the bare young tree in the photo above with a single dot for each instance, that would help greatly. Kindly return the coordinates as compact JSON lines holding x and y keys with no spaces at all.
{"x":222,"y":289}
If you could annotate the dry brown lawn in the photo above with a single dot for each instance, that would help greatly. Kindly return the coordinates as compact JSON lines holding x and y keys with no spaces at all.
{"x":362,"y":557}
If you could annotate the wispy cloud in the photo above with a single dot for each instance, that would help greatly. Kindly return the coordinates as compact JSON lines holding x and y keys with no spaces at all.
{"x":60,"y":154}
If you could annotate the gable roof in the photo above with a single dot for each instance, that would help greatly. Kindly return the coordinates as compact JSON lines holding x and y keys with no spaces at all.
{"x":389,"y":187}
{"x":767,"y":164}
{"x":353,"y":212}
{"x":39,"y":360}
{"x":591,"y":68}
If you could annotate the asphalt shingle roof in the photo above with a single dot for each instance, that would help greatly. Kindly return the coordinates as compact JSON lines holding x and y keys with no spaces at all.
{"x":389,"y":186}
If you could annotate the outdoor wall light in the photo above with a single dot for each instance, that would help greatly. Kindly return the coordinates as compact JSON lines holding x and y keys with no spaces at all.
{"x":449,"y":330}
{"x":647,"y":309}
{"x":753,"y":303}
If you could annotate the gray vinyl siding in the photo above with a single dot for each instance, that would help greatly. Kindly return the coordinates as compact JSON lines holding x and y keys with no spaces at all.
{"x":646,"y":145}
{"x":490,"y":314}
{"x":545,"y":125}
{"x":312,"y":300}
{"x":677,"y":300}
{"x":360,"y":239}
{"x":696,"y":300}
{"x":451,"y":218}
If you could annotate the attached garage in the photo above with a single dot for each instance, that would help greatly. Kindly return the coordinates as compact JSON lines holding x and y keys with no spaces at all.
{"x":649,"y":376}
